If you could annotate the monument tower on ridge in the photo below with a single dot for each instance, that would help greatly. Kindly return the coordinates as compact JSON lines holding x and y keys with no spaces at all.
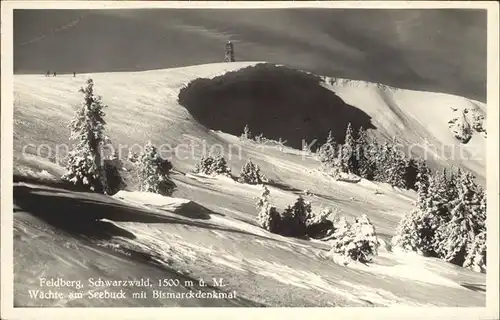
{"x":229,"y":57}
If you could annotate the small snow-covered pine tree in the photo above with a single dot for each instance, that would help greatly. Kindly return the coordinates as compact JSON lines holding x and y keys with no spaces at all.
{"x":417,"y":230}
{"x":383,"y":161}
{"x":451,"y":179}
{"x":85,"y":165}
{"x":365,"y":243}
{"x":204,"y":165}
{"x":410,"y":173}
{"x":341,"y":226}
{"x":395,"y":166}
{"x":390,"y":165}
{"x":363,"y":155}
{"x":372,"y":159}
{"x":467,"y":219}
{"x":301,"y":210}
{"x":220,"y":166}
{"x":327,"y":153}
{"x":435,"y":211}
{"x":423,"y":177}
{"x":213,"y":165}
{"x":359,"y":242}
{"x":408,"y":232}
{"x":251,"y":174}
{"x":316,"y":218}
{"x":267,"y":217}
{"x":318,"y":225}
{"x":153,"y":172}
{"x":476,"y":253}
{"x":293,"y":219}
{"x":349,"y":162}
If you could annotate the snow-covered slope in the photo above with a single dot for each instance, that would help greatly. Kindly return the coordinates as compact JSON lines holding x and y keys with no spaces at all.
{"x":207,"y":229}
{"x":426,"y":122}
{"x":143,"y":106}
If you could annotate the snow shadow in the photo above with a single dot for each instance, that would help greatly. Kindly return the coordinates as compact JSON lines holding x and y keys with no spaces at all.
{"x":474,"y":287}
{"x":285,"y":187}
{"x":277,"y":101}
{"x":79,"y":214}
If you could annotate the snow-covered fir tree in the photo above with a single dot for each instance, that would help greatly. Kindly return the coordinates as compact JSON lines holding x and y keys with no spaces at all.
{"x":327,"y":153}
{"x":476,"y":253}
{"x":349,"y":162}
{"x":435,"y":212}
{"x":341,"y":226}
{"x":153,"y":172}
{"x":267,"y":217}
{"x":410,"y":173}
{"x":359,"y":242}
{"x":379,"y":162}
{"x":408,"y":231}
{"x":85,"y":165}
{"x":318,"y":225}
{"x":383,"y":161}
{"x":365,"y":163}
{"x":251,"y":174}
{"x":301,"y":210}
{"x":451,"y":180}
{"x":204,"y":165}
{"x":395,"y":165}
{"x":365,"y":244}
{"x":330,"y":156}
{"x":449,"y":220}
{"x":213,"y":165}
{"x":293,"y":218}
{"x":372,"y":158}
{"x":220,"y":166}
{"x":315,"y":218}
{"x":467,"y":218}
{"x":417,"y":230}
{"x":296,"y":220}
{"x":422,"y":178}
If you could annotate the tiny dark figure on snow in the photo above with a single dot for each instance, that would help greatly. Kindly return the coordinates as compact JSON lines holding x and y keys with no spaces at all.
{"x":48,"y":73}
{"x":229,"y":57}
{"x":74,"y":74}
{"x":54,"y":74}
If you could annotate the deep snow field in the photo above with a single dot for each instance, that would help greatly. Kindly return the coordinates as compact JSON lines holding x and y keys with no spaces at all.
{"x":207,"y":228}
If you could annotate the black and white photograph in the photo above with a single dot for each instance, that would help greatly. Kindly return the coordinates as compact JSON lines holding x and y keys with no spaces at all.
{"x":250,"y":156}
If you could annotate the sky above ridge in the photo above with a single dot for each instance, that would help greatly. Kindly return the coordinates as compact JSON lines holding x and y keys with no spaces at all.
{"x":432,"y":50}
